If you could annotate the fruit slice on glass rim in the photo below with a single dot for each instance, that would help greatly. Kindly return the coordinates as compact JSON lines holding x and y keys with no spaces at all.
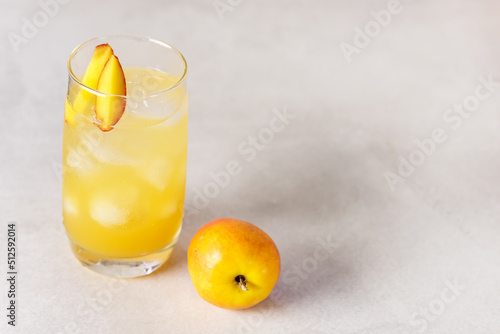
{"x":109,"y":107}
{"x":84,"y":100}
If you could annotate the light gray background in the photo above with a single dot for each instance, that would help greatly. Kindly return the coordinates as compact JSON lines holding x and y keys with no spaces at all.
{"x":393,"y":254}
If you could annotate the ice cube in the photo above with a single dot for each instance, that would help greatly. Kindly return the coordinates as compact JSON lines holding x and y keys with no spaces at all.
{"x":176,"y":117}
{"x":158,"y":173}
{"x":72,"y":159}
{"x":111,"y":154}
{"x":70,"y":206}
{"x":106,"y":148}
{"x":118,"y":206}
{"x":168,"y":210}
{"x":107,"y":213}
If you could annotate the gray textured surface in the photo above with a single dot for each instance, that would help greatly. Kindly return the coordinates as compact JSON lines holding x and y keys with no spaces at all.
{"x":394,"y":254}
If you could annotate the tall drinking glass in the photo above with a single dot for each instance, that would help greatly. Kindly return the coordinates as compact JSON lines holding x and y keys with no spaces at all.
{"x":123,"y":188}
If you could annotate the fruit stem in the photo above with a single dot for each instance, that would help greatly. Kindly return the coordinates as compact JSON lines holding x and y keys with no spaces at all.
{"x":241,"y":282}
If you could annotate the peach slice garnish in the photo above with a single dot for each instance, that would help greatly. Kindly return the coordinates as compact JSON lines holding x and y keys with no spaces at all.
{"x":85,"y":100}
{"x":109,"y":108}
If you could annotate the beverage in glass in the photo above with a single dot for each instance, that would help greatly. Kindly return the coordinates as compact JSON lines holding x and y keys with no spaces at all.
{"x":124,"y":185}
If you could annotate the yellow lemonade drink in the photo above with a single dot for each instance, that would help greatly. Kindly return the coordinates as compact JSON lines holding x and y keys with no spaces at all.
{"x":123,"y":189}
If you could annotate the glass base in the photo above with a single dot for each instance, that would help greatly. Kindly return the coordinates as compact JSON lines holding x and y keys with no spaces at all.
{"x":122,"y":267}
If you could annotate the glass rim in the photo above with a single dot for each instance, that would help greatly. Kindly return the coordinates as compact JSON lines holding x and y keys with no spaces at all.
{"x":149,"y":39}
